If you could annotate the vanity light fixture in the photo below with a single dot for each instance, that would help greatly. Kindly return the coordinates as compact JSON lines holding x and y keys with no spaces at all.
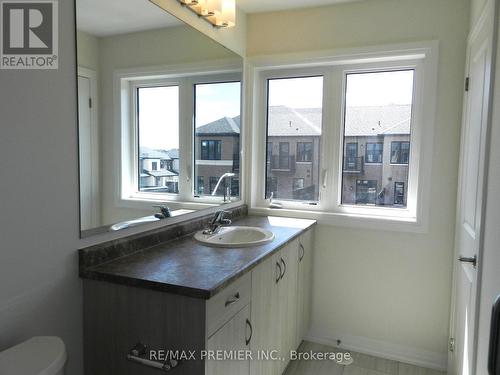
{"x":219,"y":13}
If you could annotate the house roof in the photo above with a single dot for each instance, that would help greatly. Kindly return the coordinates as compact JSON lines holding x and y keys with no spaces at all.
{"x":225,"y":125}
{"x":162,"y":173}
{"x":378,"y":120}
{"x":173,"y":153}
{"x":288,"y":122}
{"x":148,"y":153}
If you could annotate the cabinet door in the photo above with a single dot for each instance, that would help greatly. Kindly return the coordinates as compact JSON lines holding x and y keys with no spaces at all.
{"x":265,"y":310}
{"x":287,"y":297}
{"x":232,"y":336}
{"x":304,"y":285}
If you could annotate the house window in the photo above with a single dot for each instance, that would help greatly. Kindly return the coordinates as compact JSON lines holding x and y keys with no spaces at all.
{"x":269,"y":150}
{"x":217,"y":133}
{"x":158,"y":132}
{"x":378,"y":112}
{"x":200,"y":185}
{"x":366,"y":191}
{"x":213,"y":183}
{"x":210,"y":150}
{"x":373,"y":100}
{"x":400,"y":152}
{"x":272,"y":187}
{"x":374,"y":152}
{"x":399,"y":193}
{"x":284,"y":156}
{"x":298,"y":184}
{"x":304,"y":151}
{"x":294,"y":115}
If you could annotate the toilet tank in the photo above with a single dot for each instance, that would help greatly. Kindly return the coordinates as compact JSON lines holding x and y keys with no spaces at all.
{"x":43,"y":355}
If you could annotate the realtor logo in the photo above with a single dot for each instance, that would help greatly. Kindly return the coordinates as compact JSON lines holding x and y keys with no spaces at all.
{"x":29,"y":34}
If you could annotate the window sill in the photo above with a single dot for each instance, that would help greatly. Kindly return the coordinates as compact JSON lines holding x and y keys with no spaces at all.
{"x":349,"y":220}
{"x":144,"y":201}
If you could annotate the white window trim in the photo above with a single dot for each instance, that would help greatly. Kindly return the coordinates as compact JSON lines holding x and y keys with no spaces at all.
{"x":126,"y":194}
{"x":424,"y":57}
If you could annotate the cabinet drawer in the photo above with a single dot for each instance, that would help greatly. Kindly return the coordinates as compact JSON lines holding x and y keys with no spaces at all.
{"x":224,"y":305}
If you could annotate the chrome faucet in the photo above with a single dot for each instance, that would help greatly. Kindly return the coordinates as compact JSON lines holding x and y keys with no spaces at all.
{"x":227,"y":189}
{"x":217,"y":222}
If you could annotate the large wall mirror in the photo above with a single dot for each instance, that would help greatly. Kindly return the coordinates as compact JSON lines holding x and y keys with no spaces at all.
{"x":159,"y":116}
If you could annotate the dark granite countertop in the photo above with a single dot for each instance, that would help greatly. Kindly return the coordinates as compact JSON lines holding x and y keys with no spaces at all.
{"x":185,"y":266}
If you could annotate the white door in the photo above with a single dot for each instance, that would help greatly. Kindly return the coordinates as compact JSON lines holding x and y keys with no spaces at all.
{"x":87,"y":154}
{"x":470,"y":200}
{"x":265,"y":278}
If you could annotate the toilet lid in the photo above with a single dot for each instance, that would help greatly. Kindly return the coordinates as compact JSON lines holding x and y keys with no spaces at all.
{"x":36,"y":356}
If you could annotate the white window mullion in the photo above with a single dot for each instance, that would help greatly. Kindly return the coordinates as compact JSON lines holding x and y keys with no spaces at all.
{"x":186,"y":110}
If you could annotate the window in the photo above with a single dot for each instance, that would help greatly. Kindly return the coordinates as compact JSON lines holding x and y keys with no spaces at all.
{"x":284,"y":156}
{"x":294,"y":116}
{"x":158,"y":134}
{"x":217,"y":134}
{"x":399,"y":193}
{"x":298,"y":184}
{"x":366,"y":191}
{"x":374,"y":152}
{"x":400,"y":152}
{"x":200,"y":185}
{"x":378,"y":112}
{"x":304,"y":151}
{"x":210,"y":150}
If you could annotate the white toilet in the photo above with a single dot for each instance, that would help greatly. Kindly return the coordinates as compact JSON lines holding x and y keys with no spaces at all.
{"x":42,"y":355}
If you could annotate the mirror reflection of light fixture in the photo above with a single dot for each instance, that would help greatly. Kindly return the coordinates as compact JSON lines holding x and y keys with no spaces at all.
{"x":219,"y":13}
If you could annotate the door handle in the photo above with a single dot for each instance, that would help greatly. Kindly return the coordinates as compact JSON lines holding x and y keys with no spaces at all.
{"x":284,"y":268}
{"x":302,"y":253}
{"x":471,"y":260}
{"x":247,"y":340}
{"x":233,"y":299}
{"x":279,"y":270}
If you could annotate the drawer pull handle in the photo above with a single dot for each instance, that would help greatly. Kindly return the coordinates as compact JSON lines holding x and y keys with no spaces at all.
{"x":233,"y":299}
{"x":301,"y":252}
{"x":284,"y":268}
{"x":279,"y":270}
{"x":247,"y":340}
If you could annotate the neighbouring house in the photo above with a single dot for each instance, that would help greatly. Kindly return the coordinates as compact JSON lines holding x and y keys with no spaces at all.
{"x":217,"y":151}
{"x":159,"y":170}
{"x":376,"y":155}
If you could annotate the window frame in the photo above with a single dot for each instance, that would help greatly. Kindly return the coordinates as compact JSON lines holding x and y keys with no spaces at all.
{"x":381,"y":153}
{"x":126,"y":81}
{"x":217,"y":149}
{"x":304,"y":152}
{"x":334,"y":66}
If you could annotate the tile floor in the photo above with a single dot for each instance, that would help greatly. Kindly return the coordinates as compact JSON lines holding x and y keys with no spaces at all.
{"x":363,"y":365}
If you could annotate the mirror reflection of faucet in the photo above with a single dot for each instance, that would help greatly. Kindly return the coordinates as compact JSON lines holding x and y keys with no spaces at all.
{"x":227,"y":188}
{"x":164,"y":212}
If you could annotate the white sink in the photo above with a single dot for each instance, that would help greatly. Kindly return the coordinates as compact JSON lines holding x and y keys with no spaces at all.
{"x":236,"y":237}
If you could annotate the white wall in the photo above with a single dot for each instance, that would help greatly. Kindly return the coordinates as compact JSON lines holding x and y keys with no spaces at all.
{"x":490,"y":278}
{"x":40,"y":293}
{"x":385,"y":292}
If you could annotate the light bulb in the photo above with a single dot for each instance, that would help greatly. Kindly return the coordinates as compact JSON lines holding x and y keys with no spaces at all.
{"x":228,"y":13}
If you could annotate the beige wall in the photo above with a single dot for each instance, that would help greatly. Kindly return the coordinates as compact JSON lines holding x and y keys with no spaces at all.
{"x":385,"y":289}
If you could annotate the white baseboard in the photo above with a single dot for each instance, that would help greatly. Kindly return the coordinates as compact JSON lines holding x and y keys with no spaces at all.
{"x":383,"y":349}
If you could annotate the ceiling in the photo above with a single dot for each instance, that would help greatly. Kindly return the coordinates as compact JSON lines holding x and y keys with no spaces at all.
{"x":109,"y":17}
{"x":254,"y":6}
{"x":105,"y":18}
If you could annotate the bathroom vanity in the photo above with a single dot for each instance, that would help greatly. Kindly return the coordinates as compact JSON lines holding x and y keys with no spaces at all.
{"x":180,"y":295}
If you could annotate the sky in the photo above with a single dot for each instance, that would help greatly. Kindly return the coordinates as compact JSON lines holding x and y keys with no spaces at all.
{"x":159,"y":106}
{"x":362,"y":90}
{"x":159,"y":111}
